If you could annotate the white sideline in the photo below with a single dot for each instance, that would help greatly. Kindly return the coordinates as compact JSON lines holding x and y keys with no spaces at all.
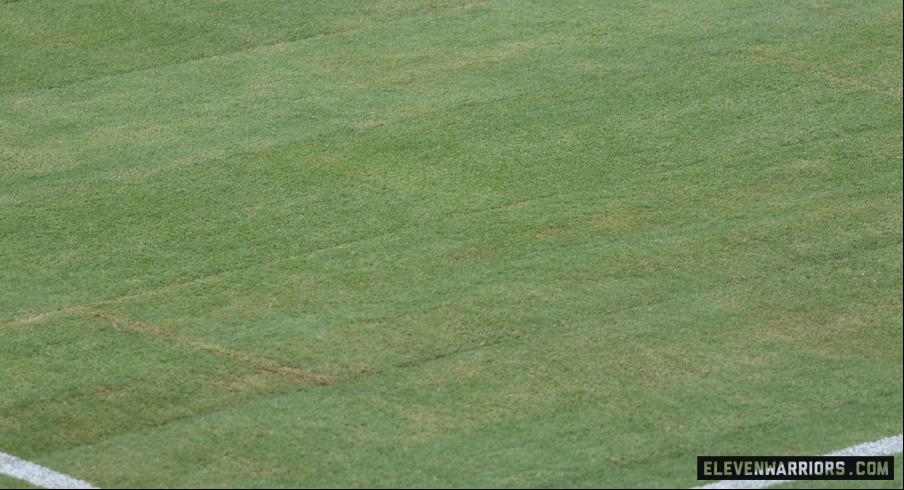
{"x":883,"y":447}
{"x":37,"y":474}
{"x":47,"y":478}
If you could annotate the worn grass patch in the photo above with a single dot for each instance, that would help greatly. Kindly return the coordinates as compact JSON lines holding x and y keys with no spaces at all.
{"x":446,"y":243}
{"x":80,"y":379}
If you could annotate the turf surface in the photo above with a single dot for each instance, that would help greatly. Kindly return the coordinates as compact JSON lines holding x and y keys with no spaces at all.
{"x":446,"y":243}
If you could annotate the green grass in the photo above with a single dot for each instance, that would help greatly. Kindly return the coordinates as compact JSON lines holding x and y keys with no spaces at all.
{"x":446,"y":243}
{"x":8,"y":482}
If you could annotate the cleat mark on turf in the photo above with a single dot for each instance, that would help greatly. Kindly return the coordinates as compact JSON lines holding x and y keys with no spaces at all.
{"x":34,"y":318}
{"x":238,"y":356}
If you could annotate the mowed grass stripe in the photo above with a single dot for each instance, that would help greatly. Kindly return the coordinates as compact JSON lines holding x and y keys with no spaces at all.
{"x":148,"y":35}
{"x":872,"y":39}
{"x":95,"y":380}
{"x":660,"y":364}
{"x":559,"y":245}
{"x":136,"y":170}
{"x":431,"y":415}
{"x":620,"y":277}
{"x":230,"y":306}
{"x":400,"y":201}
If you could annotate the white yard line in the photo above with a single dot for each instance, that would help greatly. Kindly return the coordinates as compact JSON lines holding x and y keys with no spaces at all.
{"x":37,"y":474}
{"x":883,"y":447}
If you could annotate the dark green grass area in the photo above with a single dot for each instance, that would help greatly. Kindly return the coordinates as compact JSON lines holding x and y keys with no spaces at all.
{"x":446,"y":243}
{"x":9,"y":482}
{"x":80,"y":380}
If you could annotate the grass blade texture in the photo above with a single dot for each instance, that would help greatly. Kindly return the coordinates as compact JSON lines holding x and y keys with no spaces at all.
{"x":446,"y":243}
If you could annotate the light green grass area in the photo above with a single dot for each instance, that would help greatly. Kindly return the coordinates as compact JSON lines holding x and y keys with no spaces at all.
{"x":446,"y":243}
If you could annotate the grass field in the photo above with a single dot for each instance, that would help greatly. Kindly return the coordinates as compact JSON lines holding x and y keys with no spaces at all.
{"x":447,"y":243}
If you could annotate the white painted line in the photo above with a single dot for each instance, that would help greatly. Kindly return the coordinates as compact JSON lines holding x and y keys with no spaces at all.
{"x":883,"y":447}
{"x":37,"y":474}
